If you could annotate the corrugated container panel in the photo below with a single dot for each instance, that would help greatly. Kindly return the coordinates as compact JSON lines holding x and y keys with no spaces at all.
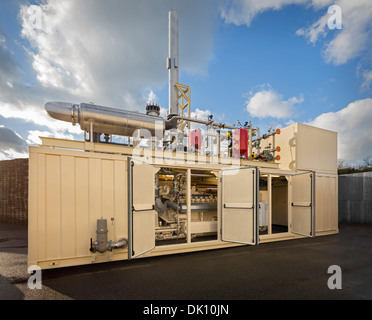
{"x":82,"y":205}
{"x":68,"y":211}
{"x":68,"y":193}
{"x":95,"y":194}
{"x":40,"y":212}
{"x":326,"y":203}
{"x":53,"y":207}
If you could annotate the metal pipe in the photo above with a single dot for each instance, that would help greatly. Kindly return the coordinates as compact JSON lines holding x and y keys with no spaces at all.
{"x":172,"y":62}
{"x":122,"y":243}
{"x":101,"y":244}
{"x":63,"y":111}
{"x":105,"y":120}
{"x":267,"y":135}
{"x":173,"y":173}
{"x":91,"y":132}
{"x":175,"y":181}
{"x":162,"y":229}
{"x":115,"y":121}
{"x":160,"y":207}
{"x":157,"y":189}
{"x":188,"y":202}
{"x":258,"y":147}
{"x":196,"y":207}
{"x":207,"y":123}
{"x":250,"y":148}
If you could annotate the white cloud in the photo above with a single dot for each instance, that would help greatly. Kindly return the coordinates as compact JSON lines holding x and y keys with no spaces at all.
{"x":164,"y":112}
{"x":37,"y":116}
{"x":34,"y":136}
{"x":106,"y":52}
{"x":367,"y":79}
{"x":346,"y":44}
{"x":243,"y":11}
{"x":109,"y":51}
{"x":315,"y":31}
{"x":269,"y":104}
{"x":200,"y":114}
{"x":11,"y":144}
{"x":152,"y":97}
{"x":352,"y":40}
{"x":10,"y":154}
{"x":353,"y":125}
{"x":204,"y":115}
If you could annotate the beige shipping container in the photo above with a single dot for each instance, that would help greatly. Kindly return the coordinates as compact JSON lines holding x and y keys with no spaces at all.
{"x":72,"y":184}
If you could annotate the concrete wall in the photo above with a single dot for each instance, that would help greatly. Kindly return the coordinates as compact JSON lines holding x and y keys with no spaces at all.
{"x":355,"y":197}
{"x":14,"y":191}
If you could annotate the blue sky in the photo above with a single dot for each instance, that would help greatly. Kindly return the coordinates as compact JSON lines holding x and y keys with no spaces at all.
{"x":269,"y":62}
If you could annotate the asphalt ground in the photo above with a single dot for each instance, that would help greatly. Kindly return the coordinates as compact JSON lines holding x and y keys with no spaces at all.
{"x":285,"y":270}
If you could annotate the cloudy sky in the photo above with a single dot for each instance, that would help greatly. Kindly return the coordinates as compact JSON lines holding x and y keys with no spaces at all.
{"x":273,"y":62}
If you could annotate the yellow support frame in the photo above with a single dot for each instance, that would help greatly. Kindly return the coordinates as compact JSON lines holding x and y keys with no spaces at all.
{"x":184,"y":98}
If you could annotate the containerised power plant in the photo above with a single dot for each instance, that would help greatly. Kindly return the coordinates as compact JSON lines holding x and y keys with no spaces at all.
{"x":174,"y":184}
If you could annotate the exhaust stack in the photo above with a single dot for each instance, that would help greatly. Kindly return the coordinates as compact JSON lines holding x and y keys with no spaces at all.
{"x":173,"y":62}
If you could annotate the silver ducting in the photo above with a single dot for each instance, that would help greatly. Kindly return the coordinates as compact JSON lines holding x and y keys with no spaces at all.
{"x":122,"y":243}
{"x":60,"y":110}
{"x":160,"y":207}
{"x":105,"y":120}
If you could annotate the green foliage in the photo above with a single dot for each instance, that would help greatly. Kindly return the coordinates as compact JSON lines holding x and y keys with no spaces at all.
{"x":364,"y":166}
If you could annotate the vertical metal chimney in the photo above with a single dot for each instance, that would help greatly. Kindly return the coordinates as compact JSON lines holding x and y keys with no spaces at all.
{"x":172,"y":62}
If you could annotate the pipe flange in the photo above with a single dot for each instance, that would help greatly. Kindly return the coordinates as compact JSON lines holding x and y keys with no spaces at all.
{"x":74,"y":114}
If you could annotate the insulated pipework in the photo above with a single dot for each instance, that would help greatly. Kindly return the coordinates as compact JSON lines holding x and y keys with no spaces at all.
{"x":101,"y":119}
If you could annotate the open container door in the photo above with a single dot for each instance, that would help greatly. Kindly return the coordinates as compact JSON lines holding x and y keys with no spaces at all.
{"x":141,"y":208}
{"x":303,"y":204}
{"x":239,"y":205}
